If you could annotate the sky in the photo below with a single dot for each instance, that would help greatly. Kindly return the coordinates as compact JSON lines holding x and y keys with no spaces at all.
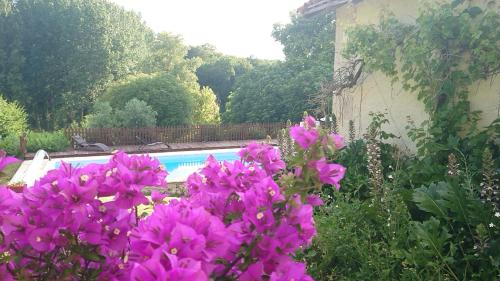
{"x":236,"y":27}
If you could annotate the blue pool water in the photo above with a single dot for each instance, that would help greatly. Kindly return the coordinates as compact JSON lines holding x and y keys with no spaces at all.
{"x":179,"y":166}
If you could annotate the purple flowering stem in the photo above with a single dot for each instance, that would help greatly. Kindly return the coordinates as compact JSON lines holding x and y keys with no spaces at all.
{"x":10,"y":269}
{"x":229,"y":267}
{"x":136,"y":216}
{"x":237,"y":259}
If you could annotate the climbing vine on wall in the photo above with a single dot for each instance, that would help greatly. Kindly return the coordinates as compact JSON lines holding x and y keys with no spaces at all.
{"x":446,"y":50}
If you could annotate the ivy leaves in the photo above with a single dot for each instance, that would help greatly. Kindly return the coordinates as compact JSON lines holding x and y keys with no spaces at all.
{"x":431,"y":53}
{"x":438,"y":57}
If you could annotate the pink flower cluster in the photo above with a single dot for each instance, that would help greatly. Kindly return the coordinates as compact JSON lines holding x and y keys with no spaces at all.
{"x":64,"y":224}
{"x":308,"y":138}
{"x":240,"y":221}
{"x":308,"y":135}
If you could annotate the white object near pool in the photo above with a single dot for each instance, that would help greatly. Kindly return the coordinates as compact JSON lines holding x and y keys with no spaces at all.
{"x":30,"y":171}
{"x":179,"y":164}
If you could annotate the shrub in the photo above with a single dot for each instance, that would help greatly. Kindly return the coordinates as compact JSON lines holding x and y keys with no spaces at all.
{"x":137,"y":114}
{"x":48,"y":141}
{"x":241,"y":221}
{"x":10,"y":144}
{"x":172,"y":100}
{"x":13,"y":118}
{"x":206,"y":110}
{"x":422,"y":220}
{"x":459,"y":235}
{"x":358,"y":240}
{"x":102,"y":116}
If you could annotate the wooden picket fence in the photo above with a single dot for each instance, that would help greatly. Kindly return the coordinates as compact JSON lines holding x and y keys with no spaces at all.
{"x":178,"y":134}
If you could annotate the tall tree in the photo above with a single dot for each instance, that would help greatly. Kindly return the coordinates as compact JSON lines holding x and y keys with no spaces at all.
{"x":272,"y":92}
{"x":206,"y":110}
{"x":207,"y":52}
{"x":11,"y":59}
{"x":218,"y":71}
{"x":220,"y":75}
{"x":281,"y":91}
{"x":308,"y":41}
{"x":166,"y":52}
{"x":71,"y":50}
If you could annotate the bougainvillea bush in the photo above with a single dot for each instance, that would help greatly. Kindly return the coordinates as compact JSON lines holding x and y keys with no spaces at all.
{"x":240,"y":221}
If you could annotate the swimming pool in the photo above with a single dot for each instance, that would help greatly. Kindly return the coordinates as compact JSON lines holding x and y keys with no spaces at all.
{"x":179,"y":165}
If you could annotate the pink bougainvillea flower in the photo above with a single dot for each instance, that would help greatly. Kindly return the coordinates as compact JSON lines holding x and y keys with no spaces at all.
{"x":229,"y":206}
{"x":333,"y":142}
{"x":265,"y":155}
{"x":131,"y":197}
{"x":5,"y":274}
{"x":186,"y":242}
{"x":290,"y":270}
{"x":41,"y":239}
{"x":303,"y":136}
{"x":157,"y":197}
{"x":309,"y":121}
{"x":6,"y":160}
{"x":149,"y":270}
{"x":314,"y":200}
{"x":186,"y":269}
{"x":63,"y":210}
{"x":338,"y":140}
{"x":297,"y":172}
{"x":301,"y":216}
{"x":253,"y":273}
{"x":329,"y":173}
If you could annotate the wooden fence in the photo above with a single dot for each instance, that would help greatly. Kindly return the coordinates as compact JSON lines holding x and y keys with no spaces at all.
{"x":178,"y":134}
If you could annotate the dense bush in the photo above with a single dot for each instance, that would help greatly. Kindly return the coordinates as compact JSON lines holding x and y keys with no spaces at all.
{"x":102,"y":117}
{"x":359,"y":240}
{"x":176,"y":102}
{"x":48,"y":141}
{"x":13,"y":118}
{"x":170,"y":99}
{"x":278,"y":91}
{"x":400,"y":218}
{"x":10,"y":144}
{"x":137,"y":114}
{"x":241,"y":221}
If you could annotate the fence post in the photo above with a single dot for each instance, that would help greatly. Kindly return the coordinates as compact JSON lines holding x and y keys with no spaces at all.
{"x":23,"y":145}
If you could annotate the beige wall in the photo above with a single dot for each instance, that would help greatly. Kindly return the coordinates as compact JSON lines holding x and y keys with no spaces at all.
{"x":375,"y":92}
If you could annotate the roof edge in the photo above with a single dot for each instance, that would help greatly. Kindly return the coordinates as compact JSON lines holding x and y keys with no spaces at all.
{"x":316,"y":6}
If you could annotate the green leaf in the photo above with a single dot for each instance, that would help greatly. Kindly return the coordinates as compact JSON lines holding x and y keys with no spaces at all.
{"x":430,"y":199}
{"x":474,"y":11}
{"x":433,"y":236}
{"x":464,"y":207}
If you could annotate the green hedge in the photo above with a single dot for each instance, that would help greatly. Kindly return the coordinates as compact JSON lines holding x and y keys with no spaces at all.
{"x":48,"y":141}
{"x":10,"y":144}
